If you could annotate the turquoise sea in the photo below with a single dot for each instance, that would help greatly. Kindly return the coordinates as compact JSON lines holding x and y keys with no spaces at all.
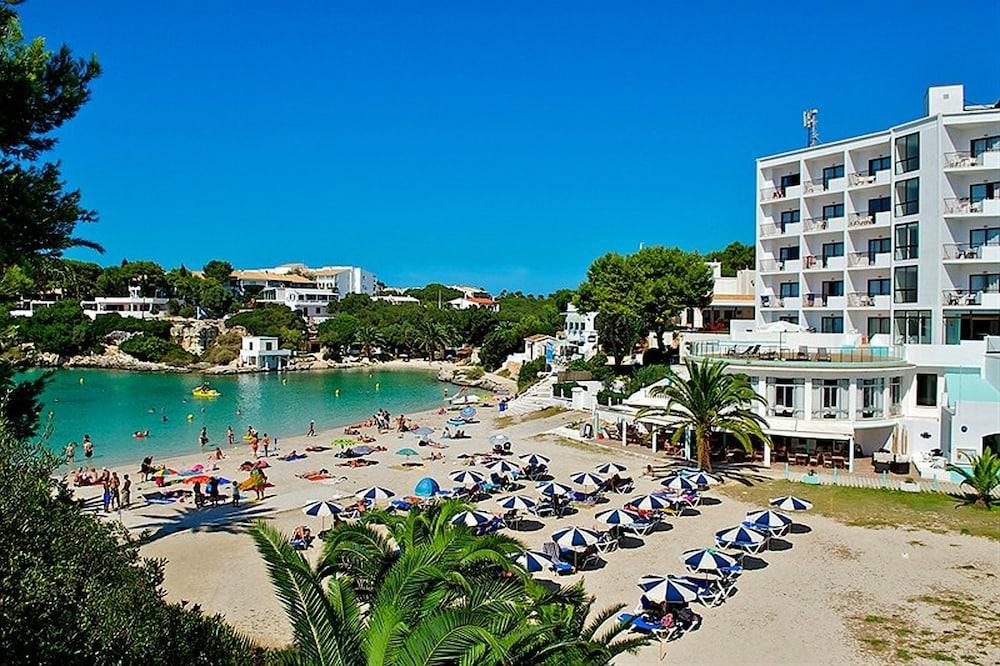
{"x":110,"y":406}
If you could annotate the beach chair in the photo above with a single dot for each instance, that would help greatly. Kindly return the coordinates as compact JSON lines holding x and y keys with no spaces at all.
{"x":607,"y":543}
{"x":641,"y":527}
{"x":544,"y":509}
{"x":710,"y":592}
{"x":559,"y":565}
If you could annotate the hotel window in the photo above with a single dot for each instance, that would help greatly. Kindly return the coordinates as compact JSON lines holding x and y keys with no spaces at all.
{"x":787,"y":396}
{"x":790,"y":318}
{"x":879,"y":164}
{"x":830,"y":398}
{"x":984,"y":236}
{"x":879,"y":205}
{"x":829,"y":173}
{"x":788,"y":289}
{"x":926,"y":390}
{"x":872,"y":397}
{"x":833,"y":288}
{"x":835,"y":249}
{"x":981,"y":191}
{"x":912,"y":327}
{"x":988,"y":282}
{"x":986,"y":145}
{"x":906,"y":284}
{"x":878,"y":246}
{"x":895,"y":394}
{"x":788,"y":217}
{"x":879,"y":287}
{"x":832,"y":211}
{"x":907,"y":241}
{"x":908,"y":153}
{"x":908,"y":197}
{"x":790,"y":253}
{"x":878,"y":326}
{"x":790,"y":180}
{"x":832,"y":324}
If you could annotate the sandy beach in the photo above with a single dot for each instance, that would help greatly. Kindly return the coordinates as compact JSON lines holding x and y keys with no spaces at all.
{"x":804,"y":603}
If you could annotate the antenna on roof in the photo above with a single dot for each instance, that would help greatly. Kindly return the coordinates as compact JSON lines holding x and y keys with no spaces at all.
{"x":810,"y":120}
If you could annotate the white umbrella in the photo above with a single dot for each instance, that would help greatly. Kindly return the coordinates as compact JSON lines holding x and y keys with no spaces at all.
{"x":649,"y":503}
{"x":499,"y":439}
{"x":534,"y":561}
{"x":374,"y":494}
{"x":789,"y":503}
{"x":768,"y":520}
{"x":575,"y":537}
{"x":534,"y":459}
{"x":739,"y":537}
{"x":663,"y":589}
{"x":707,"y":559}
{"x":701,"y":478}
{"x":471,"y":518}
{"x":516,"y":503}
{"x":679,"y":483}
{"x":321,"y":509}
{"x":466,"y":477}
{"x":610,"y":469}
{"x":553,"y":488}
{"x":616,"y":517}
{"x":503,"y":467}
{"x":587,"y":479}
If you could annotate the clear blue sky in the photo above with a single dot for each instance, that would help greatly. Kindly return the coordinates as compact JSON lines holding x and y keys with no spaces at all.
{"x":505,"y":144}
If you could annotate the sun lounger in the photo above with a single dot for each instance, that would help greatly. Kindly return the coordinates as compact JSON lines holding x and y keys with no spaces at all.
{"x":769,"y":531}
{"x":710,"y":592}
{"x":607,"y":543}
{"x":641,"y":527}
{"x":638,"y":622}
{"x":559,"y":565}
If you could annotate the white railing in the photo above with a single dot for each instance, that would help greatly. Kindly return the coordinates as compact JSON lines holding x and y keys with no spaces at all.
{"x":860,"y":220}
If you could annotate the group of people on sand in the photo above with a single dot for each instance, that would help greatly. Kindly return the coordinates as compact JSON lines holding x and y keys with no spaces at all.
{"x":117,"y":493}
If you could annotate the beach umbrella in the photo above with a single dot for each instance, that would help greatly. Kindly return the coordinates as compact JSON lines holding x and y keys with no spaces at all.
{"x":343,"y":441}
{"x":363,"y":450}
{"x":789,"y":503}
{"x":423,"y":431}
{"x":739,"y":536}
{"x":161,"y":473}
{"x":374,"y":494}
{"x":499,"y":439}
{"x":205,"y":478}
{"x":426,"y":487}
{"x":467,"y":412}
{"x":649,"y":503}
{"x":667,"y":589}
{"x":575,"y":537}
{"x":610,"y":469}
{"x":679,"y":482}
{"x":321,"y":509}
{"x":456,"y":421}
{"x":700,"y":477}
{"x":503,"y":467}
{"x":533,"y":561}
{"x":552,"y":488}
{"x":707,"y":559}
{"x":616,"y":517}
{"x":768,"y":520}
{"x":466,"y":477}
{"x":471,"y":518}
{"x":516,"y":503}
{"x":407,"y":452}
{"x":587,"y":479}
{"x":534,"y":459}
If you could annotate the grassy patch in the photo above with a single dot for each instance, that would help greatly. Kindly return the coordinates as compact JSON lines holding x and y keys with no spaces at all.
{"x":867,"y":507}
{"x":506,"y":421}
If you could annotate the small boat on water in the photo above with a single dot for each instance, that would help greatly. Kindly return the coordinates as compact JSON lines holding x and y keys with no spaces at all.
{"x":205,"y":391}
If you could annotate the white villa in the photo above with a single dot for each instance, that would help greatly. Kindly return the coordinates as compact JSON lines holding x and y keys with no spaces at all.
{"x":311,"y":303}
{"x":262,"y":352}
{"x":581,"y":333}
{"x":732,"y":298}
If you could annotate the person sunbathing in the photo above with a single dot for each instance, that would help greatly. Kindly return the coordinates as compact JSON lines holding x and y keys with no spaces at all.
{"x":351,"y":431}
{"x":217,"y":455}
{"x":315,"y":474}
{"x":434,"y":456}
{"x":292,"y":455}
{"x":317,"y":449}
{"x":366,"y":439}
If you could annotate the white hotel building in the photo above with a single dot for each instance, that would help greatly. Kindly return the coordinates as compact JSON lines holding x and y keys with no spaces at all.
{"x":878,"y":293}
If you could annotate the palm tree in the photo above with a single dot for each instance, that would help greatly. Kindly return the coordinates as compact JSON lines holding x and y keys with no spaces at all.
{"x":415,"y":589}
{"x":709,"y":400}
{"x":368,"y":337}
{"x":983,"y":477}
{"x":433,"y":336}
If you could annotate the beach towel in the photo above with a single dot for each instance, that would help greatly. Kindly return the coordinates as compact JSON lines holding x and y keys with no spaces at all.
{"x":298,"y":456}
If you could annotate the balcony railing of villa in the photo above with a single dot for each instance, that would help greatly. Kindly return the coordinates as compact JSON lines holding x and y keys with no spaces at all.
{"x":958,"y":159}
{"x":771,"y":353}
{"x":830,"y":413}
{"x":816,"y":261}
{"x":771,"y":265}
{"x":767,"y":301}
{"x":769,"y":230}
{"x":769,"y":193}
{"x":961,"y":205}
{"x":784,"y":412}
{"x":962,"y":251}
{"x":817,"y":223}
{"x":859,"y":299}
{"x":862,"y":178}
{"x":964,"y":296}
{"x":862,"y":259}
{"x":860,"y":220}
{"x":815,"y":301}
{"x":867,"y":413}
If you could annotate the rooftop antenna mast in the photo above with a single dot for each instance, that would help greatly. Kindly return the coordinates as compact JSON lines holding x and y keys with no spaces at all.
{"x":810,"y":120}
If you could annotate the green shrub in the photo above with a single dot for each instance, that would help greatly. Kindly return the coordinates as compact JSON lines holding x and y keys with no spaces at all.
{"x":111,"y":322}
{"x":224,"y":350}
{"x":156,"y":350}
{"x":272,"y":319}
{"x":607,"y":397}
{"x":563,"y":389}
{"x":60,"y":328}
{"x":473,"y":373}
{"x":528,"y":374}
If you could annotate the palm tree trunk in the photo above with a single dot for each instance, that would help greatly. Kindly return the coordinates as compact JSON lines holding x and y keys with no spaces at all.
{"x":704,"y":451}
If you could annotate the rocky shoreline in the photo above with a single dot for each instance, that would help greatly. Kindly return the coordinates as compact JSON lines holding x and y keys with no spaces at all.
{"x":465,"y":376}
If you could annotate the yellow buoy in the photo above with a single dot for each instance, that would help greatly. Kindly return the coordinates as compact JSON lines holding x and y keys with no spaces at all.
{"x":284,"y":381}
{"x":81,"y":380}
{"x":336,"y":392}
{"x":190,"y":417}
{"x":377,"y":386}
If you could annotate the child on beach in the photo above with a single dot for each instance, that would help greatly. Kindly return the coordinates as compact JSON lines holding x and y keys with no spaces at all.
{"x":267,"y":444}
{"x":236,"y":493}
{"x":230,"y":436}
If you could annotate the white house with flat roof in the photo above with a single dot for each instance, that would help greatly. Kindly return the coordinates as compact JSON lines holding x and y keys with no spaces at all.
{"x":263,"y":352}
{"x":311,"y":303}
{"x":134,"y":305}
{"x":732,"y":298}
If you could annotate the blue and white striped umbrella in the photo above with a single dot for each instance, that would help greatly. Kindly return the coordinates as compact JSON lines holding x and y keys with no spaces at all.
{"x":499,"y":439}
{"x":610,"y":469}
{"x":616,"y":517}
{"x":707,"y":559}
{"x":789,"y":503}
{"x":575,"y":537}
{"x":701,"y":477}
{"x":321,"y":509}
{"x":374,"y":494}
{"x":503,"y":467}
{"x":423,"y":431}
{"x":649,"y":503}
{"x":660,"y":589}
{"x":465,"y":477}
{"x":516,"y":503}
{"x":679,"y":482}
{"x":467,"y":412}
{"x":550,"y":488}
{"x":769,"y":520}
{"x":533,"y":561}
{"x":587,"y":479}
{"x":534,"y":459}
{"x":471,"y":518}
{"x":739,"y":536}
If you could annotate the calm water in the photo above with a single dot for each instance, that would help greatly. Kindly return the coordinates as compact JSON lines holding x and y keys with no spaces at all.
{"x":110,"y":406}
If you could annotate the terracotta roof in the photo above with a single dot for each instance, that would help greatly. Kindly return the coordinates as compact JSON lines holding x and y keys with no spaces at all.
{"x":538,"y":337}
{"x":484,"y":301}
{"x":290,"y":278}
{"x":748,"y":298}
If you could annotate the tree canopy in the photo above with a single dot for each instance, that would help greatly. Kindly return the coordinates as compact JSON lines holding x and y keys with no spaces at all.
{"x":734,"y":257}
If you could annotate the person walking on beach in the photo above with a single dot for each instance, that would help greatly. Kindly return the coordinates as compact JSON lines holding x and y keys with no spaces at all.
{"x":70,"y":452}
{"x":106,"y":498}
{"x":88,"y":447}
{"x":267,"y":444}
{"x":126,"y":498}
{"x":230,"y":436}
{"x":203,"y":436}
{"x":312,"y":429}
{"x":253,"y":445}
{"x":116,"y":498}
{"x":236,"y":494}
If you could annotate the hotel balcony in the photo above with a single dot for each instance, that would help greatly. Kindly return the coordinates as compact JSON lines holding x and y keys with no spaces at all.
{"x":822,"y":301}
{"x":769,"y":302}
{"x":963,"y":252}
{"x":814,"y":187}
{"x":963,"y":206}
{"x":965,"y":161}
{"x":775,"y":354}
{"x":963,"y":298}
{"x":780,"y":266}
{"x":865,"y":220}
{"x":779,"y":193}
{"x":819,"y":225}
{"x":815,"y":262}
{"x":863,"y":179}
{"x":862,"y":260}
{"x":862,"y":300}
{"x":775,"y":230}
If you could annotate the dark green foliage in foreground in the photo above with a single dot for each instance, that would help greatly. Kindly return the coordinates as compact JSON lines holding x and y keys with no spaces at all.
{"x":981,"y":478}
{"x":73,"y":589}
{"x":60,"y":328}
